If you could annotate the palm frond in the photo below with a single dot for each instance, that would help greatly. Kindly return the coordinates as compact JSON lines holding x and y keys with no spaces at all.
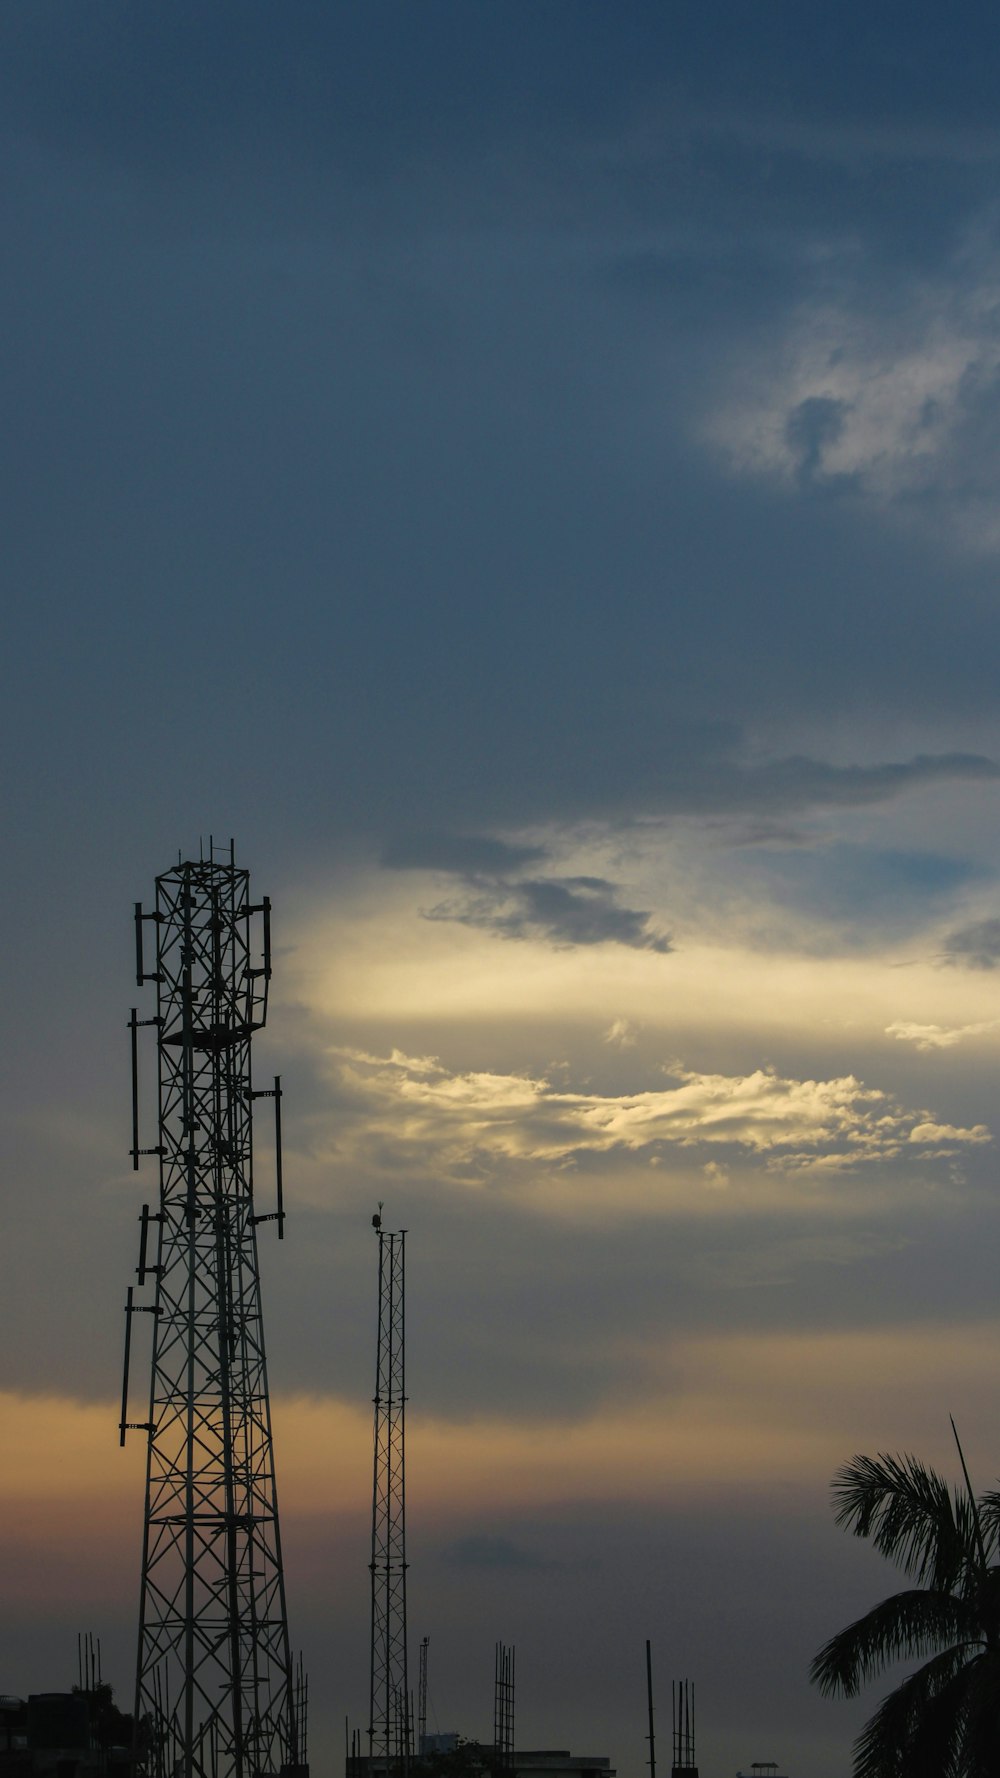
{"x":911,"y":1516}
{"x":916,"y":1730}
{"x":989,"y":1519}
{"x":981,"y":1718}
{"x":937,"y":1745}
{"x":908,"y":1625}
{"x":970,"y":1498}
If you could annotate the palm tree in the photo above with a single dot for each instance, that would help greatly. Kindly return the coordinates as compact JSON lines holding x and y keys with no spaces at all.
{"x":943,"y":1721}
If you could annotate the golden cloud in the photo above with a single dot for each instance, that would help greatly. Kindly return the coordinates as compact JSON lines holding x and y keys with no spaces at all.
{"x":939,"y":1037}
{"x":456,"y":1118}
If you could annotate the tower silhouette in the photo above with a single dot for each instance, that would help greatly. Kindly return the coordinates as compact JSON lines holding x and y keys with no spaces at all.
{"x":503,"y":1711}
{"x":390,"y":1716}
{"x":682,"y":1699}
{"x":214,"y":1686}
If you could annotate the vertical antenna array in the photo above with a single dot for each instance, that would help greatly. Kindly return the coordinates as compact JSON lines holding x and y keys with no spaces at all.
{"x":682,"y":1691}
{"x":302,"y":1713}
{"x":215,"y":1692}
{"x":88,"y":1662}
{"x":389,"y":1722}
{"x":422,"y":1697}
{"x":503,"y":1709}
{"x":651,"y":1737}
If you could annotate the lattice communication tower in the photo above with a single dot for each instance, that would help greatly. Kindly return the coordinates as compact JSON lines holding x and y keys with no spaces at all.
{"x":390,"y":1716}
{"x":215,"y":1692}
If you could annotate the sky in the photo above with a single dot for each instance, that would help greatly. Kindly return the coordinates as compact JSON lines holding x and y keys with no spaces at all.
{"x":528,"y":473}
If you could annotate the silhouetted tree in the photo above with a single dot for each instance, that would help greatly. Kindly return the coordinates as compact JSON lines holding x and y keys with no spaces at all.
{"x":110,"y":1727}
{"x":467,"y":1759}
{"x":943,"y":1720}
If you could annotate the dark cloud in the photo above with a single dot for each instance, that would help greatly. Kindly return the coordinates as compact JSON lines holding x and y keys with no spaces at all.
{"x":483,"y":1550}
{"x":577,"y":910}
{"x":468,"y":854}
{"x":799,"y":782}
{"x":656,"y":767}
{"x":976,"y":946}
{"x":697,"y":769}
{"x":508,"y":1315}
{"x":766,"y":833}
{"x":813,"y":425}
{"x":564,"y":910}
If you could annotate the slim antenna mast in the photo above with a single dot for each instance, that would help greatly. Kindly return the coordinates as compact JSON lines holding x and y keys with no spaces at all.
{"x":682,"y":1697}
{"x":389,"y":1721}
{"x":651,"y":1738}
{"x":422,"y":1697}
{"x":503,"y":1709}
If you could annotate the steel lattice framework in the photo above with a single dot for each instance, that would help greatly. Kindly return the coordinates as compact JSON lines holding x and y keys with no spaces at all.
{"x":389,"y":1731}
{"x":214,"y":1688}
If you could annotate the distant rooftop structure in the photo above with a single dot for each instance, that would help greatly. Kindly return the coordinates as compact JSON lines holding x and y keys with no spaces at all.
{"x":562,"y":1761}
{"x":77,"y":1734}
{"x":544,"y":1762}
{"x":762,"y":1768}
